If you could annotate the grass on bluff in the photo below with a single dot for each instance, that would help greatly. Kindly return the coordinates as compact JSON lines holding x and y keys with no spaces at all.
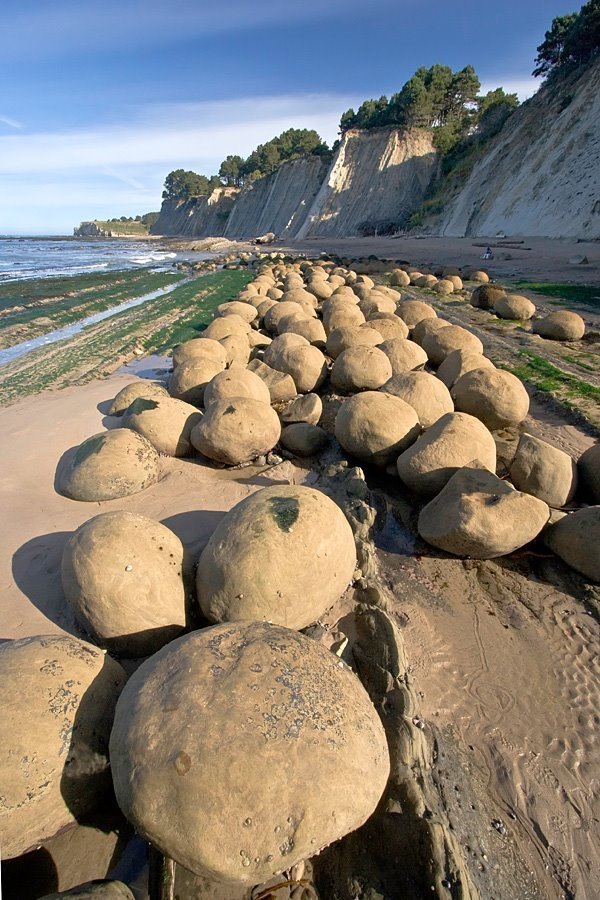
{"x":552,"y":380}
{"x":155,"y":326}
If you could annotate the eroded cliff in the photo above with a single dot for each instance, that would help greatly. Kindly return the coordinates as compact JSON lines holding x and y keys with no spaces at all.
{"x":199,"y":217}
{"x":541,"y":175}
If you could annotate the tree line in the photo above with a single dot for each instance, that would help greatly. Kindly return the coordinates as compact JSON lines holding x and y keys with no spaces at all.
{"x":572,"y":40}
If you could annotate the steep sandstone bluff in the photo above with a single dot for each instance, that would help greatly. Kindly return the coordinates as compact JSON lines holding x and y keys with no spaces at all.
{"x":377,"y":179}
{"x":541,"y":175}
{"x":199,"y":217}
{"x":280,"y":202}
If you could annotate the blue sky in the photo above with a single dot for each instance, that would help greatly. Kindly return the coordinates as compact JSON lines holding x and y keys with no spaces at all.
{"x":100,"y":99}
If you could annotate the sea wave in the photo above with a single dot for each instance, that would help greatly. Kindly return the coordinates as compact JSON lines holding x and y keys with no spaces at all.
{"x":151,"y":257}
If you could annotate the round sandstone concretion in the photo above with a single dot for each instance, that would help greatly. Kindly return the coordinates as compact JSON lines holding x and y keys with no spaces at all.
{"x":485,"y":296}
{"x":122,"y":575}
{"x":576,"y":538}
{"x":165,"y":422}
{"x":280,"y":343}
{"x":360,"y":369}
{"x":148,"y":389}
{"x":306,"y":365}
{"x":443,"y":341}
{"x":95,"y":890}
{"x":426,"y":327}
{"x":458,"y":363}
{"x":376,"y":427}
{"x":388,"y":328}
{"x":310,"y":329}
{"x":425,"y":281}
{"x":404,"y":355}
{"x":243,"y":310}
{"x":452,"y":442}
{"x":237,"y":348}
{"x":236,"y":430}
{"x":540,"y":469}
{"x":303,"y":439}
{"x":307,"y":408}
{"x":562,"y":325}
{"x":588,"y":466}
{"x":281,"y":386}
{"x":424,"y":392}
{"x":255,"y":720}
{"x":480,"y":516}
{"x":236,"y":382}
{"x":399,"y":277}
{"x":342,"y":315}
{"x":496,"y":397}
{"x":444,"y":286}
{"x":226,"y":325}
{"x":514,"y":306}
{"x":198,"y":349}
{"x":107,"y":466}
{"x":190,"y":378}
{"x":285,"y":554}
{"x":57,"y":696}
{"x":341,"y":339}
{"x":414,"y":311}
{"x":280,"y":310}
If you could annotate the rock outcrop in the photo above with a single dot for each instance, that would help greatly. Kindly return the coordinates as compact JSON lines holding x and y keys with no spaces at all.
{"x":199,"y":217}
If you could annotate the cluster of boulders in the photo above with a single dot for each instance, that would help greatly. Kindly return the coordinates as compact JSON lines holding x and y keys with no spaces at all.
{"x":561,"y":325}
{"x":243,"y":747}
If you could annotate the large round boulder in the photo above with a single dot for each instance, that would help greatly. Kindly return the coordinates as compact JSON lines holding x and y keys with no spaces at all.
{"x":236,"y":382}
{"x":190,"y":378}
{"x":341,"y":315}
{"x":389,"y":328}
{"x":210,"y":721}
{"x":478,"y":515}
{"x":281,"y":310}
{"x":223,"y":326}
{"x":150,"y":390}
{"x":444,"y":287}
{"x":514,"y":306}
{"x":458,"y":363}
{"x":540,"y":469}
{"x":399,"y":277}
{"x":281,"y":343}
{"x":455,"y":440}
{"x":58,"y":696}
{"x":561,"y":325}
{"x":404,"y":355}
{"x":414,"y":311}
{"x":426,"y":327}
{"x":306,"y":408}
{"x":375,"y":427}
{"x":303,"y":439}
{"x":200,"y":349}
{"x":376,"y":303}
{"x":237,"y":348}
{"x":281,"y":386}
{"x":310,"y":329}
{"x":360,"y":369}
{"x":341,"y":339}
{"x":495,"y":396}
{"x":285,"y":554}
{"x":236,"y":430}
{"x":424,"y":392}
{"x":165,"y":422}
{"x":122,"y":575}
{"x":576,"y":538}
{"x":486,"y":295}
{"x":305,"y":363}
{"x":108,"y":465}
{"x":235,"y":307}
{"x":443,"y":341}
{"x":588,"y":466}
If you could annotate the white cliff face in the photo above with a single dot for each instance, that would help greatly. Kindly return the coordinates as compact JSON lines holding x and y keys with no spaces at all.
{"x":541,"y":176}
{"x":377,"y":179}
{"x":199,"y":217}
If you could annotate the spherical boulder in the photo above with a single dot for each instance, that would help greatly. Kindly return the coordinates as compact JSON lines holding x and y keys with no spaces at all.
{"x":226,"y":325}
{"x":414,"y":311}
{"x":58,"y":696}
{"x":108,"y":465}
{"x":375,"y":427}
{"x":427,"y":395}
{"x":150,"y":390}
{"x":319,"y":288}
{"x":303,"y":439}
{"x":200,"y":349}
{"x":237,"y":348}
{"x":540,"y":469}
{"x":306,"y":365}
{"x":209,"y":721}
{"x":427,"y":327}
{"x":243,"y":310}
{"x":477,"y":275}
{"x":306,"y":408}
{"x":360,"y":369}
{"x":341,"y":339}
{"x":285,"y":555}
{"x":236,"y":430}
{"x":399,"y":277}
{"x":236,"y":382}
{"x":425,"y":281}
{"x":122,"y":575}
{"x":280,"y":343}
{"x":495,"y":396}
{"x":561,"y":325}
{"x":341,"y":315}
{"x":480,"y":516}
{"x":514,"y":306}
{"x":588,"y":467}
{"x":485,"y":296}
{"x":443,"y":341}
{"x":455,"y":440}
{"x":404,"y":355}
{"x":165,"y":422}
{"x":458,"y":363}
{"x":281,"y":386}
{"x":576,"y":538}
{"x":388,"y":328}
{"x":376,"y":303}
{"x":444,"y":286}
{"x":190,"y":378}
{"x":310,"y":329}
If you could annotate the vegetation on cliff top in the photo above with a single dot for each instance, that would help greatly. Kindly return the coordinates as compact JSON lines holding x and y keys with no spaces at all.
{"x":572,"y":40}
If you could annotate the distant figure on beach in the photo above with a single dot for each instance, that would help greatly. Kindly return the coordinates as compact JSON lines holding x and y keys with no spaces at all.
{"x":488,"y":253}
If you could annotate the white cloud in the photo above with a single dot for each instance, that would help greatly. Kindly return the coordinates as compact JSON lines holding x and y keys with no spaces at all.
{"x":12,"y":123}
{"x":522,"y":87}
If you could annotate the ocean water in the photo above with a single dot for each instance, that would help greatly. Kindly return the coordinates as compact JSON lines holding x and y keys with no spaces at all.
{"x":22,"y":257}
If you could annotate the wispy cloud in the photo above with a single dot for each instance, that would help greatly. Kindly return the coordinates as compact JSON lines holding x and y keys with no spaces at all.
{"x":522,"y":87}
{"x":12,"y":123}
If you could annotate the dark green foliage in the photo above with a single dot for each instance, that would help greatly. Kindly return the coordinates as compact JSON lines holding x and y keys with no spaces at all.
{"x":291,"y":144}
{"x":230,"y":170}
{"x":181,"y":185}
{"x":150,"y":219}
{"x":572,"y":40}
